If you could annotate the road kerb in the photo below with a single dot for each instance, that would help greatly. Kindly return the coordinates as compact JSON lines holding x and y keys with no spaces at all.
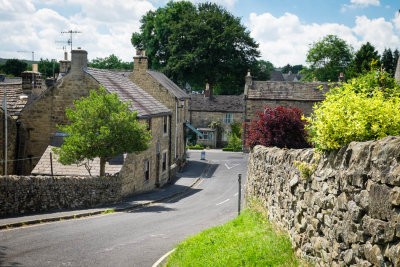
{"x":160,"y":260}
{"x":98,"y":212}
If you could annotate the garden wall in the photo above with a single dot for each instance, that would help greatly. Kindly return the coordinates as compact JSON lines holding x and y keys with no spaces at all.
{"x":25,"y":194}
{"x":347,"y":212}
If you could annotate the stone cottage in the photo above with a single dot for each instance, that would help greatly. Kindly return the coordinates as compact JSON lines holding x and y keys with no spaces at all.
{"x":140,"y":172}
{"x":222,"y":110}
{"x":168,"y":93}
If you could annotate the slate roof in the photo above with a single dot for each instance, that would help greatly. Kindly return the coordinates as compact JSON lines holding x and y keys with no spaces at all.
{"x":276,"y":75}
{"x":16,"y":99}
{"x":290,"y":77}
{"x":218,"y":103}
{"x":168,"y":84}
{"x":43,"y":167}
{"x":142,"y":102}
{"x":303,"y":91}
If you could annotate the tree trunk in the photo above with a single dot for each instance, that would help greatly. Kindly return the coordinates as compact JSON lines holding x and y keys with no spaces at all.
{"x":102,"y":166}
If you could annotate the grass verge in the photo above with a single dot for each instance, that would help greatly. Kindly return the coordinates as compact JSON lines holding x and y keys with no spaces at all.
{"x":248,"y":240}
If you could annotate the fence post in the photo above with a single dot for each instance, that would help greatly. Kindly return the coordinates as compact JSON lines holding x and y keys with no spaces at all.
{"x":240,"y":192}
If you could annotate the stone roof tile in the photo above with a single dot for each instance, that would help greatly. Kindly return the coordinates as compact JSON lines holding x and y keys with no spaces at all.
{"x":142,"y":102}
{"x":218,"y":103}
{"x":168,"y":84}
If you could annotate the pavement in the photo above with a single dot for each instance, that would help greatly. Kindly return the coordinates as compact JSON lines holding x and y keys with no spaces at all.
{"x":191,"y":174}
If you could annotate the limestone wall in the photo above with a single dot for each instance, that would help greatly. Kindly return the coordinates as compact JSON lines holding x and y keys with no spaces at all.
{"x":25,"y":194}
{"x":347,"y":212}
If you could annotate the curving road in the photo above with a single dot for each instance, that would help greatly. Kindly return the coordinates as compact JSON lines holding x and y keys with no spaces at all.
{"x":135,"y":238}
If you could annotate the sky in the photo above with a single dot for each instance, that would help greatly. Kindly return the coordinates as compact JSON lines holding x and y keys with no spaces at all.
{"x":284,"y":29}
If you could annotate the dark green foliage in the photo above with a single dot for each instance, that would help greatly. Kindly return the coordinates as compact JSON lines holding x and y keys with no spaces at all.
{"x":110,"y":62}
{"x":294,"y":69}
{"x":101,"y":126}
{"x":389,"y":61}
{"x":261,"y":69}
{"x":14,"y":67}
{"x":362,"y":61}
{"x":327,"y":58}
{"x":45,"y":67}
{"x":198,"y":44}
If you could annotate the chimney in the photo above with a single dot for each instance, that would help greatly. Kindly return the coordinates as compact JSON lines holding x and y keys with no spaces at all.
{"x":248,"y":78}
{"x":78,"y":61}
{"x":34,"y":67}
{"x":140,"y":61}
{"x":31,"y":80}
{"x":207,"y":92}
{"x":65,"y":64}
{"x":341,"y":77}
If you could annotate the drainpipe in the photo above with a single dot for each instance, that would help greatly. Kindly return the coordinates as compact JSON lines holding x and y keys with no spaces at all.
{"x":169,"y":148}
{"x":176,"y":126}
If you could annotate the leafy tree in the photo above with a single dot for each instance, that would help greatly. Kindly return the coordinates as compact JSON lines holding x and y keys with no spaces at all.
{"x":110,"y":62}
{"x":327,"y":58}
{"x":101,"y":126}
{"x":261,"y":69}
{"x":362,"y":60}
{"x":46,"y":67}
{"x":277,"y":126}
{"x":14,"y":67}
{"x":198,"y":44}
{"x":365,"y":108}
{"x":294,"y":69}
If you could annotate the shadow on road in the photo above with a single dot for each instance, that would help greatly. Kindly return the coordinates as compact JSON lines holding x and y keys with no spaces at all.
{"x":155,"y":209}
{"x":188,"y":193}
{"x":3,"y":261}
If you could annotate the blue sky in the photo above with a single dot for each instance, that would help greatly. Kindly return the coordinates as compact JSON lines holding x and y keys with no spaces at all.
{"x":284,"y":29}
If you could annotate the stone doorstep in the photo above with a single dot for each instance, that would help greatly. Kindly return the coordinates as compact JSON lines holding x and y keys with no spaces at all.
{"x":123,"y":207}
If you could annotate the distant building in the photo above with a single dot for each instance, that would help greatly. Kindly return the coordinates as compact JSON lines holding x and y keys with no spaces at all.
{"x":222,"y":110}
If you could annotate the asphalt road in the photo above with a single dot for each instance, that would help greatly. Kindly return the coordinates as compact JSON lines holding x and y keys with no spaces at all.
{"x":135,"y":238}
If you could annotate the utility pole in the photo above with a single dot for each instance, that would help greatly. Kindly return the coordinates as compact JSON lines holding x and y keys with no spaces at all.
{"x":5,"y":131}
{"x":70,"y":34}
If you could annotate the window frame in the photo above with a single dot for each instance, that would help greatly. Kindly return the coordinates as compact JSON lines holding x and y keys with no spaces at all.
{"x":227,"y":118}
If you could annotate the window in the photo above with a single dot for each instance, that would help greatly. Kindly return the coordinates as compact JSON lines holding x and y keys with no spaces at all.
{"x":207,"y":136}
{"x":225,"y":135}
{"x":228,"y":118}
{"x":164,"y":161}
{"x":146,"y":170}
{"x":165,"y":122}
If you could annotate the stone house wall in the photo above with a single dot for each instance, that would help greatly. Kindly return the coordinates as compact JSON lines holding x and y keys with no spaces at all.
{"x":346,"y":212}
{"x":41,"y":116}
{"x":26,"y":194}
{"x":201,"y":119}
{"x":133,"y":171}
{"x":153,"y":87}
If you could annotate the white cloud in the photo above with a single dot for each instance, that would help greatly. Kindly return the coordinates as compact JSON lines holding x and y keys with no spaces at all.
{"x":286,"y":39}
{"x":106,"y":27}
{"x":365,"y":2}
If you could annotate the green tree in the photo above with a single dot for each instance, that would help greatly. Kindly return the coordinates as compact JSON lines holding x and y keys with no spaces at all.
{"x":327,"y":58}
{"x":365,"y":108}
{"x":46,"y":67}
{"x":101,"y":126}
{"x":110,"y":62}
{"x":14,"y":67}
{"x":362,"y":60}
{"x":261,"y":69}
{"x":198,"y":44}
{"x":294,"y":69}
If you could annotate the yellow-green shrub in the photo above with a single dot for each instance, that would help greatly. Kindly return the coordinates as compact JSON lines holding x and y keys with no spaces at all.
{"x":350,"y":114}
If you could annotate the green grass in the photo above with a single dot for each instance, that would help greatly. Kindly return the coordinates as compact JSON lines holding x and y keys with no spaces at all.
{"x":108,"y":211}
{"x":248,"y":240}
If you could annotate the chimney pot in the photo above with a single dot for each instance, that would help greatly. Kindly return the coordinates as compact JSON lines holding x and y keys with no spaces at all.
{"x":35,"y":67}
{"x":78,"y":61}
{"x":315,"y":79}
{"x":65,"y":55}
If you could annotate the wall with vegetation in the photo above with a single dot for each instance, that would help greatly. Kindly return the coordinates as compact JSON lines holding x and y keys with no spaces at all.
{"x":342,"y":208}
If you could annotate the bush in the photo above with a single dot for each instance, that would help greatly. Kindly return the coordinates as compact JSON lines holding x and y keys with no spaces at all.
{"x":235,"y":143}
{"x":196,"y":147}
{"x":360,"y":110}
{"x":227,"y":149}
{"x":277,"y":126}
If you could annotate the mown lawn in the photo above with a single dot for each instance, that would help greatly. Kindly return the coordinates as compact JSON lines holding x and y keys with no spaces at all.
{"x":248,"y":240}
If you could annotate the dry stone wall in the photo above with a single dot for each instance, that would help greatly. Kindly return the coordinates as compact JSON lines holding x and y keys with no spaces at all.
{"x":26,"y":194}
{"x":346,"y":213}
